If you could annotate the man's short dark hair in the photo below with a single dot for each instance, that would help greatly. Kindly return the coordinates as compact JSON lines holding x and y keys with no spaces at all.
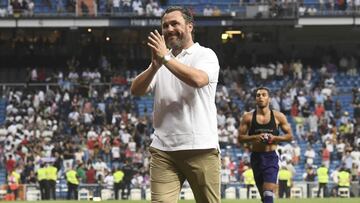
{"x":262,"y":88}
{"x":186,"y":13}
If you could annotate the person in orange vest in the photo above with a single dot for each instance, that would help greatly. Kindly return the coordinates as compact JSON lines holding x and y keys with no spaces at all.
{"x":13,"y":182}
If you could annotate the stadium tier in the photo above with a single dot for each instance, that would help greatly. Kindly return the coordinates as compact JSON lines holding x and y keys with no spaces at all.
{"x":141,"y":7}
{"x":19,"y":99}
{"x":67,"y":114}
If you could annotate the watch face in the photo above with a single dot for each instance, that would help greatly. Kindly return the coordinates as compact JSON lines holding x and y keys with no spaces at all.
{"x":167,"y":57}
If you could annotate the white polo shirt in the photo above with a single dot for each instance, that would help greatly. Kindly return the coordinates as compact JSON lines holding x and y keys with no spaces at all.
{"x":184,"y":117}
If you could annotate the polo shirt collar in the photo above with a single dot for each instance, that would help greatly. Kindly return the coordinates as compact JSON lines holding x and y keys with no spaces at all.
{"x":189,"y":50}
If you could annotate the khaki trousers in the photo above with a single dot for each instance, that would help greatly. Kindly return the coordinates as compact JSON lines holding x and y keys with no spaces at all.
{"x":169,"y":170}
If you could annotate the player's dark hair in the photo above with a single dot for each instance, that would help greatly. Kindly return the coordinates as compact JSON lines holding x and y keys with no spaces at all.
{"x":262,"y":88}
{"x":186,"y":13}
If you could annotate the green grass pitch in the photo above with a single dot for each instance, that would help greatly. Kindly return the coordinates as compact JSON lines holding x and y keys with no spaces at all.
{"x":326,"y":200}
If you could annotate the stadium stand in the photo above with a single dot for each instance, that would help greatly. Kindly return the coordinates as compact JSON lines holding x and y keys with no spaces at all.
{"x":227,"y":7}
{"x":2,"y":111}
{"x":72,"y":114}
{"x":142,"y":108}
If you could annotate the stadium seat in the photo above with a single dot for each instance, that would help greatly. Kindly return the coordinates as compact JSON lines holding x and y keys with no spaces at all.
{"x":2,"y":194}
{"x":242,"y":193}
{"x":189,"y":194}
{"x":33,"y":195}
{"x":186,"y":193}
{"x":107,"y":194}
{"x":148,"y":194}
{"x":344,"y":192}
{"x":254,"y":194}
{"x":296,"y":192}
{"x":230,"y":193}
{"x":84,"y":194}
{"x":135,"y":194}
{"x":314,"y":192}
{"x":9,"y":197}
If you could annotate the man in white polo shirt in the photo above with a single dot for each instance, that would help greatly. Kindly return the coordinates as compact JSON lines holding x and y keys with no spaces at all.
{"x":183,"y":80}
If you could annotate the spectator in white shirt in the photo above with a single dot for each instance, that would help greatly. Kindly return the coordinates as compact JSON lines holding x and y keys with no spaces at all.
{"x":34,"y":75}
{"x":86,"y":75}
{"x":310,"y":155}
{"x":74,"y":116}
{"x":357,"y":8}
{"x":157,"y":11}
{"x":79,"y":155}
{"x":96,"y":76}
{"x":149,"y":9}
{"x":125,"y":137}
{"x":138,"y":7}
{"x":115,"y":153}
{"x":88,"y":118}
{"x":116,"y":6}
{"x":108,"y":180}
{"x":126,"y":5}
{"x":100,"y":166}
{"x":208,"y":11}
{"x":313,"y":123}
{"x":302,"y":10}
{"x":73,"y":76}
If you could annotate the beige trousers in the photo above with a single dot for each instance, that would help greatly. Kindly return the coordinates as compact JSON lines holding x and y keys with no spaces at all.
{"x":169,"y":170}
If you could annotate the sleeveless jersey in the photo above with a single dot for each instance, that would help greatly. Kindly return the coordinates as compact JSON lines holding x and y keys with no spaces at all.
{"x":269,"y":127}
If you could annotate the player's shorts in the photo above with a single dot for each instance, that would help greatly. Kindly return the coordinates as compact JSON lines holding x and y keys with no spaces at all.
{"x":265,"y":166}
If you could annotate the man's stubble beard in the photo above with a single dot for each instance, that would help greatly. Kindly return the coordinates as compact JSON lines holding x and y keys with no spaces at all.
{"x":178,"y":44}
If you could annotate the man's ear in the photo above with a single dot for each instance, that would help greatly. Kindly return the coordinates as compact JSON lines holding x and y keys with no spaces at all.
{"x":191,"y":26}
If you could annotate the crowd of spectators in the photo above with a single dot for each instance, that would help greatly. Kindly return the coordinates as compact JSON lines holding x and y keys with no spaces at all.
{"x":137,"y":7}
{"x":323,"y":6}
{"x":96,"y":129}
{"x":26,"y":8}
{"x":277,"y":8}
{"x":306,"y":96}
{"x":16,"y":8}
{"x":73,"y":128}
{"x":99,"y":129}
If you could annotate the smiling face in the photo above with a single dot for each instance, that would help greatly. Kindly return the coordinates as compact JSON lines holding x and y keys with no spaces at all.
{"x":262,"y":98}
{"x":176,"y":30}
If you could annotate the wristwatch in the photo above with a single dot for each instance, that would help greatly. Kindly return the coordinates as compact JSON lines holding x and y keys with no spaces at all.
{"x":166,"y":58}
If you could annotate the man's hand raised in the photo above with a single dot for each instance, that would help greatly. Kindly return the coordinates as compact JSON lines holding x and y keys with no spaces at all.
{"x":157,"y":44}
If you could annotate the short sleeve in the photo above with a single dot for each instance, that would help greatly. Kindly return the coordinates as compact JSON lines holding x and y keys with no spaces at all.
{"x":207,"y":61}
